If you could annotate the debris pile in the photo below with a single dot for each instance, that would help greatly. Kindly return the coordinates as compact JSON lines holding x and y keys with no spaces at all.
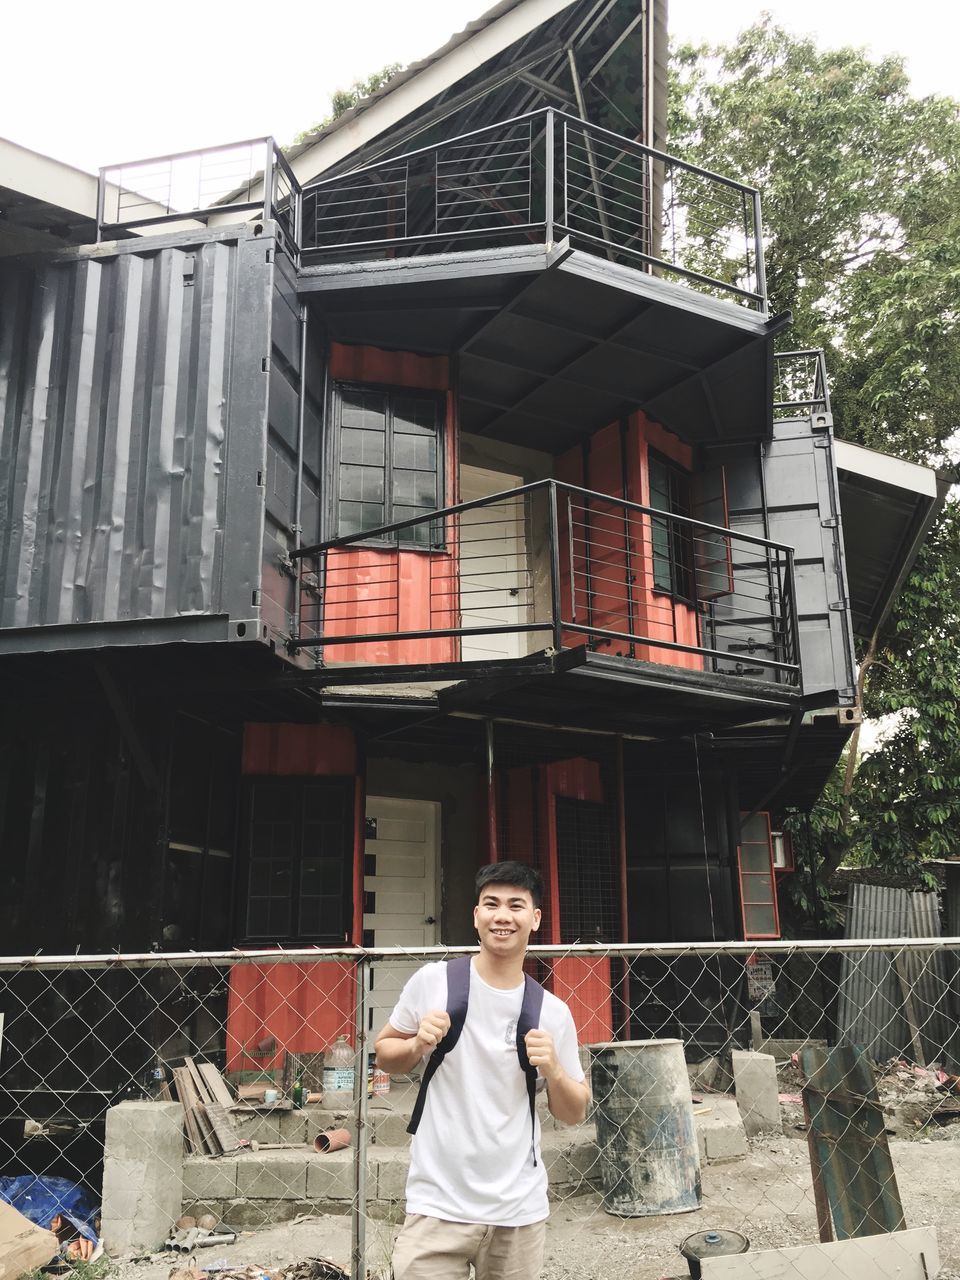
{"x":308,"y":1269}
{"x":916,"y":1097}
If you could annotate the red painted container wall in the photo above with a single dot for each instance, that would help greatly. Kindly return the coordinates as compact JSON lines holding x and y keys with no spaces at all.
{"x":530,"y":802}
{"x":297,"y":1007}
{"x":655,"y":614}
{"x":380,"y":591}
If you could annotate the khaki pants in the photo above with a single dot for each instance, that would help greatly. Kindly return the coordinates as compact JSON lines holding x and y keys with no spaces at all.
{"x":433,"y":1249}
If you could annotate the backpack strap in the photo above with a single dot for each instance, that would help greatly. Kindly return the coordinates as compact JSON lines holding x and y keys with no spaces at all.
{"x":458,"y":996}
{"x":529,"y":1020}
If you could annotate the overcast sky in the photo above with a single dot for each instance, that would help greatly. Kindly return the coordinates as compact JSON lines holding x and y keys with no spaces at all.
{"x":92,"y":85}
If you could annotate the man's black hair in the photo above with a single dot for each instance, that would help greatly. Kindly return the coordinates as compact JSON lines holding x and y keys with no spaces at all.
{"x":516,"y":874}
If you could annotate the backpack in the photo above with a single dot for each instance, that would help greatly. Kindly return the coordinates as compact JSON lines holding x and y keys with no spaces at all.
{"x":458,"y":998}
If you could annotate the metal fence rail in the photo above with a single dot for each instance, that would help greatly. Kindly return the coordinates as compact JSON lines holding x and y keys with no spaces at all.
{"x":567,"y":565}
{"x":82,"y":1034}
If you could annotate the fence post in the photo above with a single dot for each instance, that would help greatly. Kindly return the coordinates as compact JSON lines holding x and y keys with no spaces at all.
{"x":358,"y":1224}
{"x":549,"y":178}
{"x":758,"y":249}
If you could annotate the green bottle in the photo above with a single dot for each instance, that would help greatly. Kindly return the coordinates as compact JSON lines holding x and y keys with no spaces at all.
{"x":298,"y":1093}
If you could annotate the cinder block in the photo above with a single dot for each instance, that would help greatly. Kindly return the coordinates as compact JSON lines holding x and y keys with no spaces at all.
{"x":142,"y":1174}
{"x":720,"y":1134}
{"x":259,"y":1126}
{"x":389,"y":1128}
{"x":206,"y":1179}
{"x":293,"y":1126}
{"x":272,"y":1175}
{"x":391,"y":1174}
{"x":755,"y":1080}
{"x":330,"y":1176}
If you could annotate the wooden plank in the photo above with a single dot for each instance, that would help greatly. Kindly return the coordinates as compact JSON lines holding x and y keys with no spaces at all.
{"x":222,"y":1127}
{"x":902,"y":1255}
{"x":909,"y":1013}
{"x":187,"y":1095}
{"x":218,"y":1087}
{"x":849,"y":1142}
{"x":210,"y":1139}
{"x":203,"y":1091}
{"x":164,"y":1092}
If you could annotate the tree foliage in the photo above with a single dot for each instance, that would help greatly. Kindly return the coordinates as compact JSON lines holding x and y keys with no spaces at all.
{"x":860,"y":183}
{"x":343,"y":100}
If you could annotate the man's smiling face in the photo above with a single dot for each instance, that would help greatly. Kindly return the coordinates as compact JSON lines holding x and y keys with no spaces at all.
{"x":504,"y":918}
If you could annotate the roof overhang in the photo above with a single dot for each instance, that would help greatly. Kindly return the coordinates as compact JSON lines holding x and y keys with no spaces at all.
{"x":43,"y":203}
{"x":553,"y":343}
{"x":887,"y":506}
{"x":517,"y":56}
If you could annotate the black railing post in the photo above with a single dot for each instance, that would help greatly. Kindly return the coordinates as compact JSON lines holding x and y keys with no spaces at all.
{"x":101,"y":203}
{"x":758,"y":250}
{"x":549,"y":177}
{"x":794,"y":619}
{"x":269,"y":178}
{"x":555,"y":603}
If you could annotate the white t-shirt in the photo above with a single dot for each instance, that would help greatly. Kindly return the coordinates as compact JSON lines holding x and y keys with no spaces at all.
{"x":471,"y":1159}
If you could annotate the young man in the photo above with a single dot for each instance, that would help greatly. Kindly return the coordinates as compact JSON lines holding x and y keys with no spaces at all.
{"x":477,"y":1187}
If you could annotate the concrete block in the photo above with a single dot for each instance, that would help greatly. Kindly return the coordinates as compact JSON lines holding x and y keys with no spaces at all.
{"x":391,"y":1174}
{"x":755,"y":1081}
{"x":142,"y":1174}
{"x":720,"y":1133}
{"x":389,"y":1129}
{"x":272,"y":1175}
{"x":331,"y":1177}
{"x":258,"y":1126}
{"x":206,"y":1179}
{"x":293,"y":1126}
{"x":571,"y":1164}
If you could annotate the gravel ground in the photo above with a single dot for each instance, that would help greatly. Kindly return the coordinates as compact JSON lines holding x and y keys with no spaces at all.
{"x":767,"y":1195}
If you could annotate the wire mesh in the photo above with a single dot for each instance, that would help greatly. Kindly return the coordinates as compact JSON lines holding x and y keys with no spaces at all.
{"x":814,"y":1136}
{"x":800,"y":384}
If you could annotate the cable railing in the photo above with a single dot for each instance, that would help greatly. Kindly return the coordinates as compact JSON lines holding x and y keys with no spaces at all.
{"x":197,"y":186}
{"x":800,"y":384}
{"x":551,"y":564}
{"x":538,"y":178}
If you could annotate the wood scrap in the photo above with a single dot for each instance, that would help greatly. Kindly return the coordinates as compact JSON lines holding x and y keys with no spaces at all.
{"x":187,"y":1095}
{"x":210,"y":1139}
{"x":222,"y":1126}
{"x":217,"y":1086}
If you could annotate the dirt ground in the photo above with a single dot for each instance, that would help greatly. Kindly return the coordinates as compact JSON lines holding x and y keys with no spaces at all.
{"x":767,"y":1195}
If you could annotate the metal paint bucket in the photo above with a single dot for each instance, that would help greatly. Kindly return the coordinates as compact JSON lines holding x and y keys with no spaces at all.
{"x":649,"y":1161}
{"x":711,"y":1244}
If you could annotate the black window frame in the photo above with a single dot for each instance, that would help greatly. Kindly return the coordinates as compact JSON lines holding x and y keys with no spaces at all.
{"x":293,"y":790}
{"x":391,"y":392}
{"x":678,"y":559}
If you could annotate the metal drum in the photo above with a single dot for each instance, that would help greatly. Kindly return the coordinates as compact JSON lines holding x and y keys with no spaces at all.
{"x":649,"y":1161}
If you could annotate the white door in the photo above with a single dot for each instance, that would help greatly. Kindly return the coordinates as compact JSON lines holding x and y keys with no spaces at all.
{"x":401,"y":861}
{"x":493,"y":571}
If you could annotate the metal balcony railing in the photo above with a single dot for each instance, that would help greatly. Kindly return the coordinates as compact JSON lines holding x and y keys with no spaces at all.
{"x":534,"y":178}
{"x":195,"y":186}
{"x":800,"y":384}
{"x":540,"y":177}
{"x":558,"y":566}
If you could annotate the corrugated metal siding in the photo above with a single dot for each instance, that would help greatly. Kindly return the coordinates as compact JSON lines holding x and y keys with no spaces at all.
{"x":120,"y":385}
{"x":873,"y":985}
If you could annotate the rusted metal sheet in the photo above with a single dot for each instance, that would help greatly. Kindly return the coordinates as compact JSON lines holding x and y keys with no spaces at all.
{"x":132,"y":416}
{"x":895,"y":1002}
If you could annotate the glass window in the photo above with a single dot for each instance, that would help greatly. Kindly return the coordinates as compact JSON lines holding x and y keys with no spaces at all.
{"x":389,"y":462}
{"x":671,"y":546}
{"x":300,"y":842}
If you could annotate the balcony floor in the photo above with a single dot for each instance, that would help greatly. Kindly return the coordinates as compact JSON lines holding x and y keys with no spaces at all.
{"x":576,"y":688}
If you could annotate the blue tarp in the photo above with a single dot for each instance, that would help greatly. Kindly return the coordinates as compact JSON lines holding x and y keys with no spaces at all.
{"x":40,"y":1199}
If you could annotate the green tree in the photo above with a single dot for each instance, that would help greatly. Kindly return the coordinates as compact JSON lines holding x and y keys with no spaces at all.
{"x":861,"y":202}
{"x":343,"y":100}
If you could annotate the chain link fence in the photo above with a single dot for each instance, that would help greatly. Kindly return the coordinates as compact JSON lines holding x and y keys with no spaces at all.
{"x":847,"y":1126}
